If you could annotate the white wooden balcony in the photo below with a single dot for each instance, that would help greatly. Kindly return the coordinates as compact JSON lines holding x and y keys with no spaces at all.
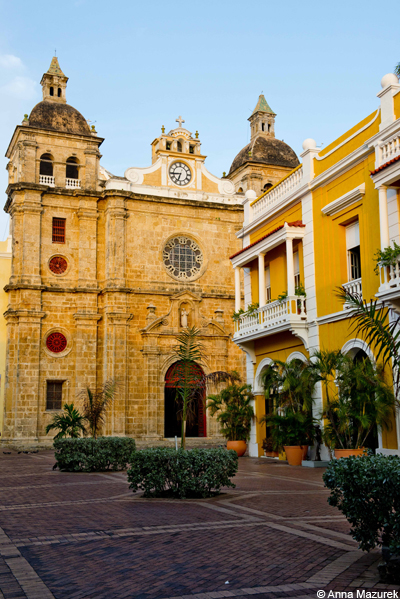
{"x":288,"y":314}
{"x":73,"y":183}
{"x":353,"y":286}
{"x":47,"y":180}
{"x":389,"y":290}
{"x":389,"y":149}
{"x":278,"y":194}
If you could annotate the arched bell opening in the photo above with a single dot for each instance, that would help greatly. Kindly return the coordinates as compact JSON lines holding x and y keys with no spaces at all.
{"x":196,"y":421}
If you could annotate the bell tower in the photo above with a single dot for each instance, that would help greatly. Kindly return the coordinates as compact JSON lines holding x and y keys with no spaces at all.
{"x":54,"y":83}
{"x":262,"y":120}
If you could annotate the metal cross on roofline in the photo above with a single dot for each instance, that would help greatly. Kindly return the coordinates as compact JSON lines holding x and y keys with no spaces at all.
{"x":180,"y":121}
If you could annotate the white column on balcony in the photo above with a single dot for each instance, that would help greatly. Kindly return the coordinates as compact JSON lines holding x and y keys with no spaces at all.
{"x":237,"y":289}
{"x":261,"y":280}
{"x":290,"y":266}
{"x":383,"y":217}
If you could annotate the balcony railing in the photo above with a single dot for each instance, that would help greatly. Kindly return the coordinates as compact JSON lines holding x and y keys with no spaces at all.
{"x":46,"y":180}
{"x":289,"y":311}
{"x":353,"y":286}
{"x":278,"y":193}
{"x":390,"y":277}
{"x":390,"y":149}
{"x":72,"y":183}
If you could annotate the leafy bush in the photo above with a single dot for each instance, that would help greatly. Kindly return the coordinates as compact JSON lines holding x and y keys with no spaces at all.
{"x":90,"y":455}
{"x":183,"y":473}
{"x":367,"y":490}
{"x":292,"y":428}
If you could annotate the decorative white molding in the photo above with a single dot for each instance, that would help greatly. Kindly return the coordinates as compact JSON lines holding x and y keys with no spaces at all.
{"x":225,"y":186}
{"x":345,"y":141}
{"x":344,"y":201}
{"x":296,"y":355}
{"x":267,"y":244}
{"x":257,"y":389}
{"x":357,"y":344}
{"x":136,"y":175}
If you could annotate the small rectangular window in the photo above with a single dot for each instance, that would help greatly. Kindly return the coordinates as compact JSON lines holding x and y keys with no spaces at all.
{"x":353,"y":251}
{"x":59,"y":230}
{"x":54,"y":395}
{"x":267,"y":285}
{"x":296,"y":265}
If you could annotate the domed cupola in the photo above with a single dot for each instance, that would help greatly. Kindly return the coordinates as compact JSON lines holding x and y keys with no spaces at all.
{"x":265,"y":159}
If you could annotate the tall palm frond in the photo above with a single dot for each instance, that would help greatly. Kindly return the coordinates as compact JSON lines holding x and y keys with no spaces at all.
{"x":96,"y":403}
{"x":397,"y":69}
{"x":379,"y":331}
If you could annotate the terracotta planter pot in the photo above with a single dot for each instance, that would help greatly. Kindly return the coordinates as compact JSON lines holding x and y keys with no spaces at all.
{"x":345,"y":453}
{"x":271,"y":454}
{"x":295,"y":454}
{"x":305,"y":451}
{"x":239,"y":446}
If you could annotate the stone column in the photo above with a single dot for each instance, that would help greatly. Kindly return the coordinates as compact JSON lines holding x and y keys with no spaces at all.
{"x":86,"y":350}
{"x":118,"y":369}
{"x":154,"y":392}
{"x":87,"y":215}
{"x":237,"y":289}
{"x":22,"y":391}
{"x":26,"y":214}
{"x":261,"y":280}
{"x":290,"y":267}
{"x":383,"y":217}
{"x":115,"y":242}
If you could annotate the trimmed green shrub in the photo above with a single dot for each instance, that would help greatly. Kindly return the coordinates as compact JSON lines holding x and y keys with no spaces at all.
{"x":90,"y":455}
{"x":367,"y":490}
{"x":183,"y":473}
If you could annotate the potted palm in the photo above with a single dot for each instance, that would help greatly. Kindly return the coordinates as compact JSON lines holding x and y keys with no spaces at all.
{"x":235,"y":413}
{"x":290,"y":386}
{"x":360,"y":402}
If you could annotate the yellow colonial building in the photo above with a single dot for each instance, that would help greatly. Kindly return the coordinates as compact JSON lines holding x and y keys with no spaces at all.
{"x":319,"y":228}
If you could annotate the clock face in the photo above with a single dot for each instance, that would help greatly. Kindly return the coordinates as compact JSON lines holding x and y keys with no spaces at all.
{"x":180,"y":173}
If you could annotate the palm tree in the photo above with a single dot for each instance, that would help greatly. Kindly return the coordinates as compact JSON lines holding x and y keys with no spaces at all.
{"x":381,"y":333}
{"x":397,"y":69}
{"x":96,"y":404}
{"x":235,"y":411}
{"x":190,"y":383}
{"x":70,"y":423}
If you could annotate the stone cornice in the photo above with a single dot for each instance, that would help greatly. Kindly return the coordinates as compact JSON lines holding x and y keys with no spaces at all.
{"x":131,"y":195}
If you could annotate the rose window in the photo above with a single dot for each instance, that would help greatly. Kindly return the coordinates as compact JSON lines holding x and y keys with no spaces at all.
{"x":58,"y":265}
{"x":182,"y":258}
{"x":56,"y":342}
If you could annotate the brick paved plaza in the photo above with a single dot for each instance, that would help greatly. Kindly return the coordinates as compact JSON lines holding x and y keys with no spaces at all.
{"x":75,"y":536}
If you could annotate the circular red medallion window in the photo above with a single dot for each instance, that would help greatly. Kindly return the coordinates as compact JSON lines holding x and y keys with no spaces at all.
{"x":58,"y":265}
{"x":56,"y":342}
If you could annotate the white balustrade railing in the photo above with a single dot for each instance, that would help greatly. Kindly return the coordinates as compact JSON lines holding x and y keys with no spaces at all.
{"x":390,"y":276}
{"x":47,"y":180}
{"x":353,"y":286}
{"x":73,"y":183}
{"x":272,"y":315}
{"x":390,"y":149}
{"x":278,"y":193}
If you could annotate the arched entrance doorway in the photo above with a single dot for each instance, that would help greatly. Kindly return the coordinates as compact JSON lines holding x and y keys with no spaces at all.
{"x":196,"y":422}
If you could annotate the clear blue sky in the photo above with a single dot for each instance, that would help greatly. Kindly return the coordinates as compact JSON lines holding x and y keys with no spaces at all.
{"x":135,"y":66}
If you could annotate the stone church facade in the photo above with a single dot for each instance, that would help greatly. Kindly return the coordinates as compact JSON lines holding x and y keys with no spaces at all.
{"x":107,"y":270}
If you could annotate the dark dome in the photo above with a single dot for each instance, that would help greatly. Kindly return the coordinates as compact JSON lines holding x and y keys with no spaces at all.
{"x":267,"y":150}
{"x":58,"y":117}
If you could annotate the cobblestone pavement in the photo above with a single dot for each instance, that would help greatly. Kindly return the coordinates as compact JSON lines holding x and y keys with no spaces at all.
{"x":86,"y":536}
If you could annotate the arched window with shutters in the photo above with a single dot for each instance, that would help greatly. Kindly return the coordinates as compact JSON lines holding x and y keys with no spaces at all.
{"x":46,"y":170}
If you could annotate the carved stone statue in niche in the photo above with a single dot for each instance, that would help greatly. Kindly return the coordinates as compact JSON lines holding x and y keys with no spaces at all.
{"x":184,"y":315}
{"x":184,"y":318}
